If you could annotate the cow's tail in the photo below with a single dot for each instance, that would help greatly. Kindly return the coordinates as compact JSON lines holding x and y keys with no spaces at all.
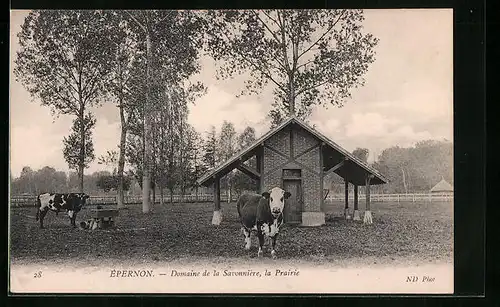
{"x":38,"y":204}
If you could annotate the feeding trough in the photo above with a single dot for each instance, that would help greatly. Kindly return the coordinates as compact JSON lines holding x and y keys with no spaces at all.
{"x":101,"y":218}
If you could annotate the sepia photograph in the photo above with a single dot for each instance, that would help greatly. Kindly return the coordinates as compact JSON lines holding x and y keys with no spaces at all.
{"x":276,"y":151}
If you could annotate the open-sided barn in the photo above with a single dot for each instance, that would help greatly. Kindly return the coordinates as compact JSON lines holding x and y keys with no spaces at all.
{"x":297,"y":157}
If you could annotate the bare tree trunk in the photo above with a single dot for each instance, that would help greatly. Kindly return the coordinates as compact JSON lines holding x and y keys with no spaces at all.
{"x":161,"y":195}
{"x":146,"y":176}
{"x":404,"y":181}
{"x":121,"y":159}
{"x":81,"y":162}
{"x":291,"y":99}
{"x":154,"y":195}
{"x":289,"y":71}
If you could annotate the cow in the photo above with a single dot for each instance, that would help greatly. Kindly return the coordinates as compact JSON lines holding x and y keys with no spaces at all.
{"x":263,"y":214}
{"x":71,"y":202}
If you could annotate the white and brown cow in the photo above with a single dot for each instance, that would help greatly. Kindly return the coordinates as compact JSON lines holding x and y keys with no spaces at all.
{"x":264,"y":214}
{"x":71,"y":202}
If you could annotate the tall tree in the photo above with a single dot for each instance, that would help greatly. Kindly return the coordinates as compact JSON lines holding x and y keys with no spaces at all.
{"x":311,"y":57}
{"x":63,"y":60}
{"x":199,"y":166}
{"x":227,"y":147}
{"x":361,"y":153}
{"x":210,"y":153}
{"x":72,"y":153}
{"x":170,"y":44}
{"x":26,"y":182}
{"x":246,"y":138}
{"x":126,"y":78}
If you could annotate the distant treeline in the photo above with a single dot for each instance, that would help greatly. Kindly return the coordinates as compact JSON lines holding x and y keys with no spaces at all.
{"x":48,"y":179}
{"x":409,"y":170}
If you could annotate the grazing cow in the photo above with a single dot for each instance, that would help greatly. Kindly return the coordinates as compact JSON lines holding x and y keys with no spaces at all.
{"x":71,"y":202}
{"x":264,"y":214}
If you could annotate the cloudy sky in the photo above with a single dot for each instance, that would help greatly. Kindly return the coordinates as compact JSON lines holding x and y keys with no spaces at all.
{"x":408,"y":96}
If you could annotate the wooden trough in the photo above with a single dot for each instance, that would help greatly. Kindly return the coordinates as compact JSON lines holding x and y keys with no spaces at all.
{"x":101,"y":218}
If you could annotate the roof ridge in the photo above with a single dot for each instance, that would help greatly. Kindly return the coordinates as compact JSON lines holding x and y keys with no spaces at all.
{"x":273,"y":131}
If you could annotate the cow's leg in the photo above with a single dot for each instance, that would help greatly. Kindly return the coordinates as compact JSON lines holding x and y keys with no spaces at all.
{"x":248,"y":241}
{"x":73,"y":220}
{"x":72,"y":217}
{"x":42,"y":213}
{"x":260,"y":235}
{"x":273,"y":242}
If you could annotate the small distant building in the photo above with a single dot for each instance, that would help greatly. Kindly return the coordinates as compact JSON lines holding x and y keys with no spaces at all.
{"x":297,"y":157}
{"x":442,"y":187}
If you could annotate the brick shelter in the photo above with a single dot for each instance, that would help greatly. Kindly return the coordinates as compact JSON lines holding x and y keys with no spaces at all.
{"x":296,"y":157}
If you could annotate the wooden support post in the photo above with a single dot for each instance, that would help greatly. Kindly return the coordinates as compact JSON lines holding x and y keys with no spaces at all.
{"x":346,"y":197}
{"x":368,"y":214}
{"x":217,"y":217}
{"x":260,"y":168}
{"x":248,"y":171}
{"x":321,"y":178}
{"x":356,"y":199}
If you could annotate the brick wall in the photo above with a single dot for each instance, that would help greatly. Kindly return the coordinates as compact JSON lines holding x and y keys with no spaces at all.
{"x":311,"y":159}
{"x":302,"y":140}
{"x":280,"y":141}
{"x":272,"y":160}
{"x":310,"y":180}
{"x":312,"y":192}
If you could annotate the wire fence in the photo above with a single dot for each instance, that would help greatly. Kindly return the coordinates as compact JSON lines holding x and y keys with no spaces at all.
{"x":30,"y":200}
{"x":413,"y":197}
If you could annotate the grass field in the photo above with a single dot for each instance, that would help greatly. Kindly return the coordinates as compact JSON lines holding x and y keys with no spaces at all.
{"x":416,"y":232}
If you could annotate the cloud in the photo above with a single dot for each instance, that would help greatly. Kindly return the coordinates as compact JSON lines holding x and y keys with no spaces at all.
{"x":369,"y":124}
{"x":407,"y":97}
{"x":407,"y":133}
{"x":329,"y":128}
{"x":218,"y":105}
{"x":42,"y":145}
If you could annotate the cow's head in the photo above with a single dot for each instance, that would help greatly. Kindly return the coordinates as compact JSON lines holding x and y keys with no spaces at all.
{"x":276,"y":198}
{"x":81,"y":199}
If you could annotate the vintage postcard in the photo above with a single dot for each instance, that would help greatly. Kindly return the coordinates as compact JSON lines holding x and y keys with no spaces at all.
{"x":231,"y":151}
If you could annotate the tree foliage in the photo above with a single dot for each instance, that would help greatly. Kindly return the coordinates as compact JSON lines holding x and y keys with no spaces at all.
{"x":72,"y":144}
{"x":43,"y":180}
{"x":243,"y":182}
{"x":417,"y":168}
{"x":210,"y":153}
{"x":361,"y":153}
{"x":226,"y":148}
{"x":111,"y":182}
{"x":63,"y":61}
{"x":63,"y":57}
{"x":310,"y":57}
{"x":169,"y":44}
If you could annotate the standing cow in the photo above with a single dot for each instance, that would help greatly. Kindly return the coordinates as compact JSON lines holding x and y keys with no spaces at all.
{"x":71,"y":202}
{"x":264,"y":214}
